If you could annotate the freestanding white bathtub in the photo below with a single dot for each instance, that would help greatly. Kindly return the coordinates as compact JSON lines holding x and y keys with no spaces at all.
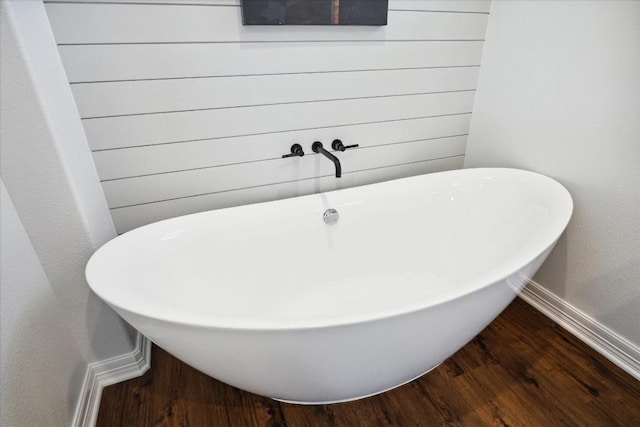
{"x":271,"y":299}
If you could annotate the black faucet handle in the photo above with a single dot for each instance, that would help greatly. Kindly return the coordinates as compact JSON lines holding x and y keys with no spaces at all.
{"x":337,"y":145}
{"x":296,"y":150}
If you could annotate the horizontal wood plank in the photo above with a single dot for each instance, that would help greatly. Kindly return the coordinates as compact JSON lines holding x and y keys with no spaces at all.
{"x":137,"y":161}
{"x":470,"y":6}
{"x":123,"y":98}
{"x":234,"y":3}
{"x":126,"y":219}
{"x":91,"y":63}
{"x":131,"y":191}
{"x":129,"y":131}
{"x":172,"y":23}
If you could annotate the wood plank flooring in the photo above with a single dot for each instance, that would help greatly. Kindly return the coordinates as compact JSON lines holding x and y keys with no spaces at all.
{"x":522,"y":370}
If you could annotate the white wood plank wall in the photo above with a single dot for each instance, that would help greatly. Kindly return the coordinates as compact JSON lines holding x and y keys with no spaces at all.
{"x":186,"y":110}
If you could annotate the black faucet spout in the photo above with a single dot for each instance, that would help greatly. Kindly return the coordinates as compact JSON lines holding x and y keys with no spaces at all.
{"x":318,"y":148}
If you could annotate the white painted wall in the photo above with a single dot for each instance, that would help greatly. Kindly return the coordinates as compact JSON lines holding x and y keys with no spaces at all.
{"x":559,"y":93}
{"x":186,"y":109}
{"x":50,"y":178}
{"x":41,"y":365}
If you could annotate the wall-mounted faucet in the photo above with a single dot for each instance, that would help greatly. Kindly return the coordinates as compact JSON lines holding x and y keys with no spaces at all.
{"x":296,"y":150}
{"x":318,"y":148}
{"x":339,"y":146}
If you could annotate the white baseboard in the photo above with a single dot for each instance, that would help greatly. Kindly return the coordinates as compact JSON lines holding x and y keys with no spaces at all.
{"x":106,"y":372}
{"x":611,"y":345}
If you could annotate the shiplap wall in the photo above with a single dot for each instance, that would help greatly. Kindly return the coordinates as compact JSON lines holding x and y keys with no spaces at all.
{"x":186,"y":110}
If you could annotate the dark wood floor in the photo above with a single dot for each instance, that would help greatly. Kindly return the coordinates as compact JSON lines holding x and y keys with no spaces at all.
{"x":522,"y":370}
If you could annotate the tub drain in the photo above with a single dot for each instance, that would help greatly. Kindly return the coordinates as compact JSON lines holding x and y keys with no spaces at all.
{"x":331,"y":216}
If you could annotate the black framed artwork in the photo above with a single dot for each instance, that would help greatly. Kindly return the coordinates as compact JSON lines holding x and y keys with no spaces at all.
{"x":314,"y":12}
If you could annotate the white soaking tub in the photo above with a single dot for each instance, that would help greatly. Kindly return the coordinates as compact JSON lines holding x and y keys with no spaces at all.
{"x":271,"y":299}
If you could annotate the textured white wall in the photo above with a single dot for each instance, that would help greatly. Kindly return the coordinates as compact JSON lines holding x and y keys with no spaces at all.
{"x":42,"y":366}
{"x":559,"y":93}
{"x":48,"y":172}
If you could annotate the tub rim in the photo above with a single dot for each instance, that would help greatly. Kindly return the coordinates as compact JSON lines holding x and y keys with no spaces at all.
{"x":233,"y":323}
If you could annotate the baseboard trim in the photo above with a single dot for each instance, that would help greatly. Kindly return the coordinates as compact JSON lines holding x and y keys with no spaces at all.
{"x":106,"y":372}
{"x":611,"y":345}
